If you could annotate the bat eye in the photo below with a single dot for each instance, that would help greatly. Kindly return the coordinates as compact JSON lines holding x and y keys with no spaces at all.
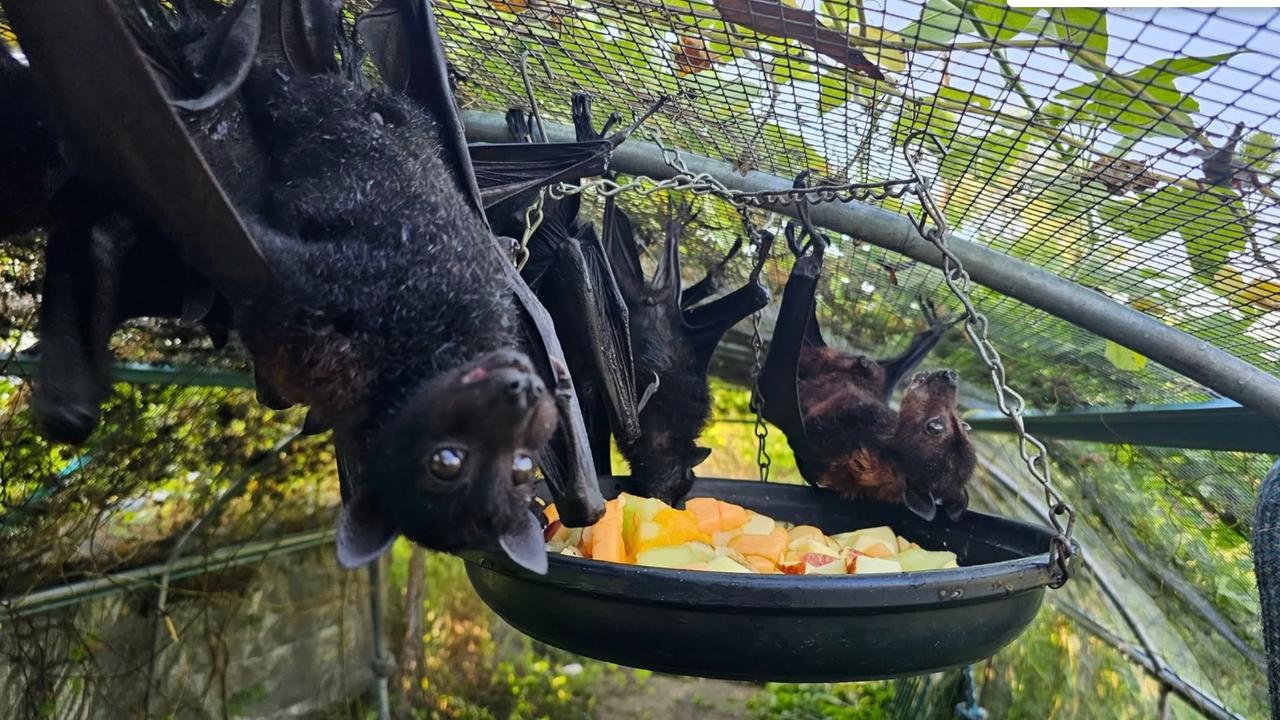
{"x":446,"y":463}
{"x":522,"y":469}
{"x":966,"y":426}
{"x":935,"y":426}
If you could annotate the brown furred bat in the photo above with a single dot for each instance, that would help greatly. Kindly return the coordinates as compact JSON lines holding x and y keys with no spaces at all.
{"x":834,"y":407}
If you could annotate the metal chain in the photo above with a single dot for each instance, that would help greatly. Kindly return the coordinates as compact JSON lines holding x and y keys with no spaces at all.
{"x":932,"y":225}
{"x":763,"y":461}
{"x":761,"y":430}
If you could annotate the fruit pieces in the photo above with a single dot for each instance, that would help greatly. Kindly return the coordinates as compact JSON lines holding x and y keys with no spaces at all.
{"x":712,"y":535}
{"x":676,"y":556}
{"x":770,"y":546}
{"x":606,"y":535}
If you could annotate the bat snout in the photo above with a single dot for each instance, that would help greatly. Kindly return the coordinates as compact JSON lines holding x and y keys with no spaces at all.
{"x":524,"y":390}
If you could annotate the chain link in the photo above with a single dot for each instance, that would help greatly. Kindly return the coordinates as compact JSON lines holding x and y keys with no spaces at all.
{"x":932,"y":226}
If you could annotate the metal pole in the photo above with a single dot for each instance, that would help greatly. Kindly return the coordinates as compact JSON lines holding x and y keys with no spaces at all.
{"x":74,"y":593}
{"x":1266,"y":567}
{"x":1202,"y":362}
{"x":383,"y":664}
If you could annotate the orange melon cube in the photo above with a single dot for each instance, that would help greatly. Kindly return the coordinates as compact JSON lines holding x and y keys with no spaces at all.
{"x":606,"y":536}
{"x":732,"y":516}
{"x":770,"y":547}
{"x":551,"y":513}
{"x":762,"y":564}
{"x":584,"y":543}
{"x":707,"y":511}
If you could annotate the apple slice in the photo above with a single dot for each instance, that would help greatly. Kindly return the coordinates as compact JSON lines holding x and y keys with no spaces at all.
{"x":791,"y":567}
{"x":802,"y":531}
{"x":919,"y":560}
{"x":675,"y":556}
{"x":875,"y":546}
{"x":867,"y":565}
{"x":723,"y":563}
{"x":757,"y":524}
{"x":823,"y":564}
{"x":813,"y":545}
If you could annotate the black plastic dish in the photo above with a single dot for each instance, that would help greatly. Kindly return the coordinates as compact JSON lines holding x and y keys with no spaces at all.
{"x":782,"y":627}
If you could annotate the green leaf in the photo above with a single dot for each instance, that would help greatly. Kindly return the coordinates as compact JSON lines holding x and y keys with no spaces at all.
{"x":1111,"y":102}
{"x":1084,"y":28}
{"x":1215,"y":228}
{"x":786,"y":68}
{"x":995,"y":20}
{"x":1258,"y":151}
{"x":963,"y":96}
{"x":1123,"y":358}
{"x":833,"y":91}
{"x":940,"y":21}
{"x":839,"y":12}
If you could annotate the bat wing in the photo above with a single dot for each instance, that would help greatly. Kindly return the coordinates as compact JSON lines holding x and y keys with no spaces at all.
{"x":712,"y":282}
{"x":403,"y":40}
{"x":619,"y":240}
{"x":603,"y":324}
{"x":897,"y":368}
{"x":505,"y":170}
{"x":778,"y":374}
{"x":706,"y":324}
{"x":124,"y":132}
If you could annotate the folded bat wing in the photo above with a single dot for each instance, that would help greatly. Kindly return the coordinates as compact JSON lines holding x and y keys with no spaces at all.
{"x":123,"y":131}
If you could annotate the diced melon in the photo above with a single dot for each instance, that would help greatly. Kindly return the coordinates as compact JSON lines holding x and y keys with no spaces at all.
{"x":707,"y":510}
{"x":762,"y":564}
{"x":551,"y":513}
{"x":732,"y":516}
{"x":867,"y":565}
{"x":571,"y":552}
{"x":584,"y":542}
{"x":903,"y":544}
{"x":875,"y":546}
{"x":810,"y":544}
{"x":758,"y":524}
{"x":675,"y":556}
{"x":770,"y":546}
{"x":606,"y":535}
{"x":635,"y":511}
{"x":802,"y":531}
{"x":726,"y":564}
{"x":559,"y":539}
{"x":722,"y":538}
{"x":918,"y":559}
{"x":696,"y":566}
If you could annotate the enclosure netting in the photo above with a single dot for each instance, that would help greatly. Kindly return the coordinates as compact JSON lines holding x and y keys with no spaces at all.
{"x":1077,"y":142}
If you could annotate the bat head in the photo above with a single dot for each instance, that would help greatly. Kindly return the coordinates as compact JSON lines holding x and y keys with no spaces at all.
{"x":932,"y":446}
{"x":454,"y":468}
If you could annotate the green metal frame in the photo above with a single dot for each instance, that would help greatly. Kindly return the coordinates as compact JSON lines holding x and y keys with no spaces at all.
{"x":27,"y":367}
{"x":1212,"y":425}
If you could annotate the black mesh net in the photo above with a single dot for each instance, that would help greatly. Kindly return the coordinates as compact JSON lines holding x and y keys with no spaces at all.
{"x":1130,"y":151}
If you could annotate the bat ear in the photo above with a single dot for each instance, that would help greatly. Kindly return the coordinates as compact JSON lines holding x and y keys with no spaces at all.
{"x":525,"y":545}
{"x":956,"y":503}
{"x":383,"y":32}
{"x":922,"y":504}
{"x":699,"y":456}
{"x":363,"y":533}
{"x":226,"y":54}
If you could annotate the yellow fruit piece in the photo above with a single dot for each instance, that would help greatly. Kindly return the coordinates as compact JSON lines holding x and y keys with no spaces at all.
{"x":668,"y":527}
{"x":802,"y":531}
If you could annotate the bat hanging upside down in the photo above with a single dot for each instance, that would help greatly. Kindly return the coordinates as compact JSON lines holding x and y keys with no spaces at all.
{"x":834,"y":407}
{"x":389,"y":312}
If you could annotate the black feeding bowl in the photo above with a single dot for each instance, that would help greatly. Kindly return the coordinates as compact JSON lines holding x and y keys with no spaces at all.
{"x":784,"y":627}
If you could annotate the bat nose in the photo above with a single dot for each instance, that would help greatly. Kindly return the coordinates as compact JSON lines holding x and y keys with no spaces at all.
{"x":525,"y":390}
{"x":949,"y":376}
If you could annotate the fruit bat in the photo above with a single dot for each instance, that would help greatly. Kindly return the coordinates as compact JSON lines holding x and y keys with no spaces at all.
{"x":672,"y":344}
{"x":833,"y":407}
{"x":386,"y":305}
